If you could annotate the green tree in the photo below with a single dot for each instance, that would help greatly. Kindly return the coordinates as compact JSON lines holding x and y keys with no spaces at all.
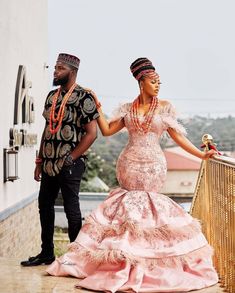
{"x":94,"y":167}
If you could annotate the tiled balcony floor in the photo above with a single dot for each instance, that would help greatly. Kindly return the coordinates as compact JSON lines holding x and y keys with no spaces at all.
{"x":17,"y":279}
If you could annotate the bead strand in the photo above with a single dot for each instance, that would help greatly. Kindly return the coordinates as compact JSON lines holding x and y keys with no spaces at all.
{"x":145,"y":126}
{"x":57,"y":119}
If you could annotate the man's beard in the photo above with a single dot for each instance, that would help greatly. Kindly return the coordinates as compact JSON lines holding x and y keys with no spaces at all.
{"x":62,"y":81}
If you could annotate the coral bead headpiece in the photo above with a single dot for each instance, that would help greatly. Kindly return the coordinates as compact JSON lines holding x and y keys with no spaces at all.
{"x":143,"y":67}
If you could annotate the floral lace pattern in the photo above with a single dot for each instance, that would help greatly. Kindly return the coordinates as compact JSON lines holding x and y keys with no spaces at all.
{"x":139,"y":240}
{"x":154,"y":236}
{"x":142,"y":165}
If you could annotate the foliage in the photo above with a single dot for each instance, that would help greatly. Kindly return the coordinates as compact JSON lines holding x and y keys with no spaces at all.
{"x":94,"y":167}
{"x":105,"y":151}
{"x":222,"y":130}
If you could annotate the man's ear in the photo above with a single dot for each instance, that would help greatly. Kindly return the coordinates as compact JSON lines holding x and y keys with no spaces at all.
{"x":74,"y":72}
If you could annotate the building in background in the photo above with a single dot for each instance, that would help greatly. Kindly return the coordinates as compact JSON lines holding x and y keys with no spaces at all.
{"x":23,"y":88}
{"x":182,"y":174}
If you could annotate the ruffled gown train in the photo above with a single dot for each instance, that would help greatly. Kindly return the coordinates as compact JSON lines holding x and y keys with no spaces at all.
{"x":139,"y":240}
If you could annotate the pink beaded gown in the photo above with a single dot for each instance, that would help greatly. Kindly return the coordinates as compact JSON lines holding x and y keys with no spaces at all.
{"x":139,"y":240}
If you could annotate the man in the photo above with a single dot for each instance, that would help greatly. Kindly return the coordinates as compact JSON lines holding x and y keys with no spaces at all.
{"x":70,"y":129}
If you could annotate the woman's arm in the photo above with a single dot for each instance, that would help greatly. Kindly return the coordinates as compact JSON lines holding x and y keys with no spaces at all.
{"x":107,"y":128}
{"x":186,"y":144}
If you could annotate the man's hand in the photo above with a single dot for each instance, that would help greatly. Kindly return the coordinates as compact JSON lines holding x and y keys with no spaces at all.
{"x":68,"y":160}
{"x":37,"y":172}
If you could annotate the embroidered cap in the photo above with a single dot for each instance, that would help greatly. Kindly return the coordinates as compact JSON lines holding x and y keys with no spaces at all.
{"x":69,"y":59}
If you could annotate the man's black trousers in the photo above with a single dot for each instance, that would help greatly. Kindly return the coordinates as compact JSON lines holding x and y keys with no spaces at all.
{"x":68,"y":181}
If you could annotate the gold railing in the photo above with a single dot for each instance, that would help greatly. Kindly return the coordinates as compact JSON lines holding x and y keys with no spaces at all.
{"x":214,"y":205}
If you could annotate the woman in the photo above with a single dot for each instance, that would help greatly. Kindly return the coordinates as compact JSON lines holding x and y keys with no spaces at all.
{"x":139,"y":240}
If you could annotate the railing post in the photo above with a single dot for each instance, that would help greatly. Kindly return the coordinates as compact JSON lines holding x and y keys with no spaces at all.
{"x":214,"y":205}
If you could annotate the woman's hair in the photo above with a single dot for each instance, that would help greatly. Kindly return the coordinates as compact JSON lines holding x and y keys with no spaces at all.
{"x":142,"y":67}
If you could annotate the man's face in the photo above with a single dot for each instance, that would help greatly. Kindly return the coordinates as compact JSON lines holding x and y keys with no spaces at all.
{"x":62,"y":74}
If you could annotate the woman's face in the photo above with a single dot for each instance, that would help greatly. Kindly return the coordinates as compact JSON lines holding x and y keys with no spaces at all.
{"x":150,"y":86}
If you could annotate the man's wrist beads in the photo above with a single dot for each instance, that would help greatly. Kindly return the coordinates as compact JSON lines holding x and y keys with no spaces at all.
{"x":38,"y":161}
{"x":68,"y":160}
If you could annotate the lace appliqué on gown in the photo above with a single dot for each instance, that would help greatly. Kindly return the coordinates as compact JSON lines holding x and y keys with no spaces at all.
{"x":139,"y":237}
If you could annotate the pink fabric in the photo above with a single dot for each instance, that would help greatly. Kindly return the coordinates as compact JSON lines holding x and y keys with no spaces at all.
{"x":139,"y":240}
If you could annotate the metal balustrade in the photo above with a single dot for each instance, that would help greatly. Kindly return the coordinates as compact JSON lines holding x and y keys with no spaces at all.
{"x":214,"y":205}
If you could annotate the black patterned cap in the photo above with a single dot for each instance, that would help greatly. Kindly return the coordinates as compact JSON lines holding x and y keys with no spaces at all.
{"x":69,"y":59}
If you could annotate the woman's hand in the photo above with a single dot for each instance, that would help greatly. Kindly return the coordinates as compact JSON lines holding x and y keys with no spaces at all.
{"x":93,"y":94}
{"x":106,"y":128}
{"x":208,"y":154}
{"x":186,"y":144}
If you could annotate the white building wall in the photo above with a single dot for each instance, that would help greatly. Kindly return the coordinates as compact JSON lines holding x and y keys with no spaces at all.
{"x":180,"y":182}
{"x":23,"y":39}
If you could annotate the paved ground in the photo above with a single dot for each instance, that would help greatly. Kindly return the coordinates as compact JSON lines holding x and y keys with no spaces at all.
{"x":17,"y":279}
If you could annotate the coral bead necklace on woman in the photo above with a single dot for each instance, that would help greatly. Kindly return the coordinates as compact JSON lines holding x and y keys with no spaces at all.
{"x":145,"y":125}
{"x":146,"y":103}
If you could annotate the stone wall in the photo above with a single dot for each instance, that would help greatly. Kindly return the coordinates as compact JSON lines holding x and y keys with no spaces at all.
{"x":20,"y":233}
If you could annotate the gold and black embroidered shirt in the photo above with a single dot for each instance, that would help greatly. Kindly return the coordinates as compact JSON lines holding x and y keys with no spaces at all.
{"x":80,"y":109}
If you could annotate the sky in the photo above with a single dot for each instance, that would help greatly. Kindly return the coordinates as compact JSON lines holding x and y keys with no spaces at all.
{"x":190,"y":42}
